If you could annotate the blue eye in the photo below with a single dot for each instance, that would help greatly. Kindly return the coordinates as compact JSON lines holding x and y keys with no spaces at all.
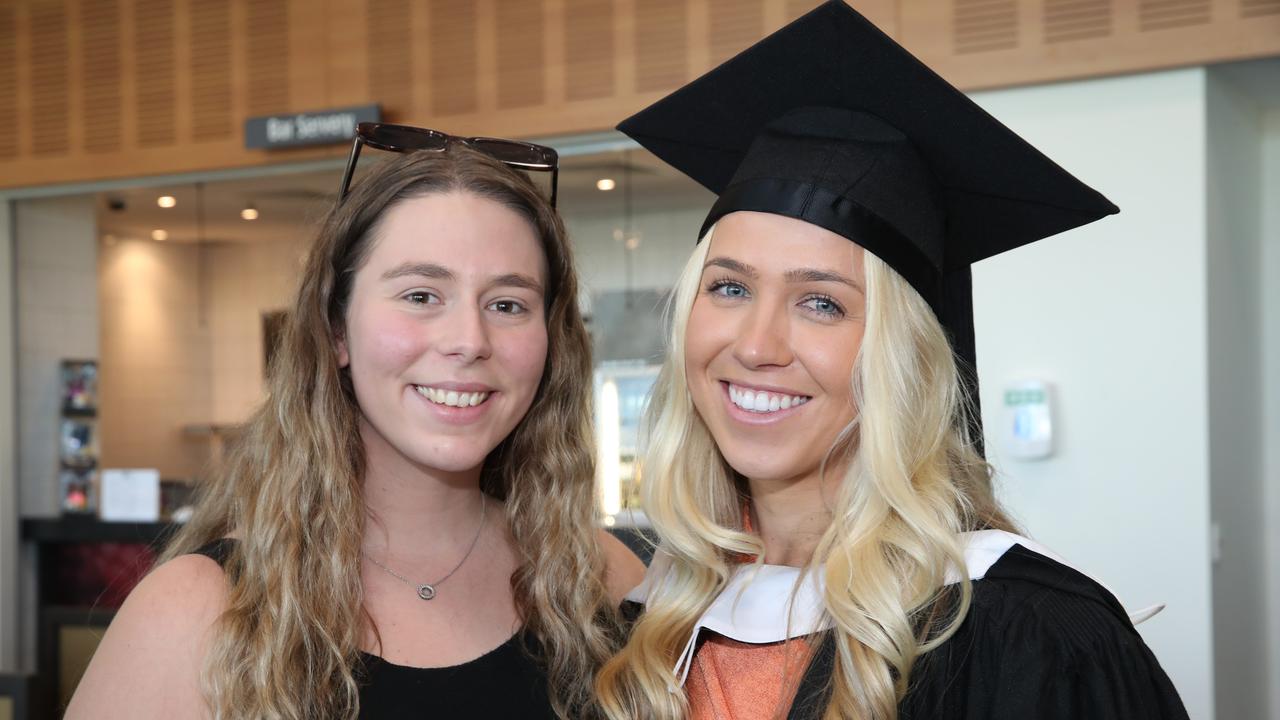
{"x":824,"y":305}
{"x":727,"y":288}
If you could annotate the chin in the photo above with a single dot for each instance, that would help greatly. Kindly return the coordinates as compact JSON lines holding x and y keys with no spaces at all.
{"x":450,"y":459}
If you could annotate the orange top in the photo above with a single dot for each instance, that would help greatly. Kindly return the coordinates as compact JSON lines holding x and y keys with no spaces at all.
{"x":732,"y":680}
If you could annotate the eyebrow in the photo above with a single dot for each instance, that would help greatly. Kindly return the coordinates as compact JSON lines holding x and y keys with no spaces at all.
{"x":800,"y":275}
{"x":812,"y":275}
{"x":427,"y":270}
{"x":516,"y":280}
{"x":732,"y":266}
{"x":433,"y":271}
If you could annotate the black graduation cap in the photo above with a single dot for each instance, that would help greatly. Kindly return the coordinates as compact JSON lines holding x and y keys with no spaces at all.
{"x":830,"y":121}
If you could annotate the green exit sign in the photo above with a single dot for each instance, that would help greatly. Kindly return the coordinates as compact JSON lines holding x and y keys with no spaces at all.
{"x":1023,"y":397}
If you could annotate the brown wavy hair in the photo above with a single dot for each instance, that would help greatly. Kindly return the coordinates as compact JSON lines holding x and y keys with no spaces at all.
{"x":290,"y":486}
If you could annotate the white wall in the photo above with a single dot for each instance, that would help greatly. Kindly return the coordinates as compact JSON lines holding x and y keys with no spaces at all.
{"x":57,"y":316}
{"x":1114,"y":316}
{"x":9,"y":633}
{"x":1235,"y":407}
{"x":155,"y":356}
{"x":1270,"y":270}
{"x":249,"y":279}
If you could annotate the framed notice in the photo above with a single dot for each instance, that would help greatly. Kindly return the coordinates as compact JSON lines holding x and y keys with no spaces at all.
{"x":129,"y":495}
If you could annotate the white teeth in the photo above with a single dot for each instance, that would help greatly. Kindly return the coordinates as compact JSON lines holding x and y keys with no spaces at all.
{"x":762,"y":401}
{"x":452,"y":398}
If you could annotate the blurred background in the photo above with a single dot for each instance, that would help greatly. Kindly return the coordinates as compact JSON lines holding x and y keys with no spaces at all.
{"x":163,"y":165}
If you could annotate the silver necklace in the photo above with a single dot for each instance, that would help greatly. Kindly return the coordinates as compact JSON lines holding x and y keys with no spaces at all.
{"x":426,"y":591}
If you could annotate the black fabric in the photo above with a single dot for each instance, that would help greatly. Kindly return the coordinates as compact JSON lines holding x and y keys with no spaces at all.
{"x":1040,"y":642}
{"x":507,"y":682}
{"x":830,"y":121}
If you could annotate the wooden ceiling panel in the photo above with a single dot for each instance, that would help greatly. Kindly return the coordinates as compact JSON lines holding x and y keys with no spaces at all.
{"x":796,"y":8}
{"x":267,"y":31}
{"x":662,"y":48}
{"x":100,"y":50}
{"x":1067,"y":20}
{"x":454,"y":62}
{"x":390,"y":55}
{"x":98,"y":89}
{"x":211,"y":71}
{"x":50,"y":89}
{"x":1165,"y":14}
{"x":521,"y":61}
{"x":589,"y":49}
{"x":155,"y":98}
{"x":984,"y":25}
{"x":8,"y":80}
{"x":735,"y":25}
{"x":1259,"y":8}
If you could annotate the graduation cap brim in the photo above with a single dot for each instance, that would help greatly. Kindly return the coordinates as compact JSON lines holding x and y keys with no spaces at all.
{"x":997,"y":191}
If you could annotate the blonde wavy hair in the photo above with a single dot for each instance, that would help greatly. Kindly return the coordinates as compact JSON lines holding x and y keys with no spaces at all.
{"x":913,"y":482}
{"x":287,"y":646}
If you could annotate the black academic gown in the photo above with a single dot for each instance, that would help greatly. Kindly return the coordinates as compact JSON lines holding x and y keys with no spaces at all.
{"x":1041,"y":641}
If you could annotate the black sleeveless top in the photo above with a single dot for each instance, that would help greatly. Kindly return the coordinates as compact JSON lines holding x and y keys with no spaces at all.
{"x":506,"y":682}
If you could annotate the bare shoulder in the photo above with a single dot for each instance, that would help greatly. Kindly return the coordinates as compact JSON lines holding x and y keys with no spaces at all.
{"x":148,"y":663}
{"x":625,"y":570}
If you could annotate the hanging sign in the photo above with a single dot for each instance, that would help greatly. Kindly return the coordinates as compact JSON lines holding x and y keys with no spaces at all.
{"x":320,"y":127}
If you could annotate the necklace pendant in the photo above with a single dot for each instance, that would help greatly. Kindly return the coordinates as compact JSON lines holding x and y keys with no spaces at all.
{"x":426,"y":591}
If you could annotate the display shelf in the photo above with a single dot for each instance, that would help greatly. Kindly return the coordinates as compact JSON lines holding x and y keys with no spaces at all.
{"x":72,"y":529}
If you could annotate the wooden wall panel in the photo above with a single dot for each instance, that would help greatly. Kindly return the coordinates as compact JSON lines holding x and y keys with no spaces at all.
{"x":521,"y":54}
{"x":1164,"y":14}
{"x":454,"y":63}
{"x":390,"y":58}
{"x":155,"y":94}
{"x":97,"y":89}
{"x":100,"y":52}
{"x":1259,"y":8}
{"x":210,"y":71}
{"x":8,"y":81}
{"x":589,"y":49}
{"x":267,"y":33}
{"x":662,"y":48}
{"x":1067,"y":20}
{"x":984,"y":25}
{"x":734,"y":26}
{"x":50,"y":80}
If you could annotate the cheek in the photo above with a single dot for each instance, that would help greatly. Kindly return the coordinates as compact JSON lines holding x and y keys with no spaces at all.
{"x":702,"y":339}
{"x":523,"y":355}
{"x":830,"y":361}
{"x":383,"y":341}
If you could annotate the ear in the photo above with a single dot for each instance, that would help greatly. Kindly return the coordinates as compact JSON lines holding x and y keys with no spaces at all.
{"x":340,"y":347}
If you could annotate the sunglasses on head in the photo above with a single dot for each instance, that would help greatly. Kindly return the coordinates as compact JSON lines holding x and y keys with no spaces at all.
{"x":406,"y":138}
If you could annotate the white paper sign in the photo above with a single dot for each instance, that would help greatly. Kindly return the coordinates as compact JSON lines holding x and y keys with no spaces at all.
{"x":130,"y":495}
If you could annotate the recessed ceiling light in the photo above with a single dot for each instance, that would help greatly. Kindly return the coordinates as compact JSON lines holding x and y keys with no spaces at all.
{"x":606,"y":184}
{"x":159,"y":235}
{"x":249,"y":213}
{"x":166,"y":201}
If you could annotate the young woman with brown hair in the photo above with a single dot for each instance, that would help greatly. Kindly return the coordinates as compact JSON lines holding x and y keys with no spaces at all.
{"x":406,"y":526}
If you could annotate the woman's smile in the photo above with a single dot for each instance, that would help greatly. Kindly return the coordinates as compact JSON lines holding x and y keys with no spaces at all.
{"x":756,"y":405}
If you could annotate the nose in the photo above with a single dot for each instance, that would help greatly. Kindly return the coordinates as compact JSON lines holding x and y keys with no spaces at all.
{"x":465,"y":336}
{"x":764,"y":338}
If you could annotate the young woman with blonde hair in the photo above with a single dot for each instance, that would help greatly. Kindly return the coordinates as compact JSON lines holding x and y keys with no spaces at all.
{"x":405,"y":528}
{"x":830,"y":544}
